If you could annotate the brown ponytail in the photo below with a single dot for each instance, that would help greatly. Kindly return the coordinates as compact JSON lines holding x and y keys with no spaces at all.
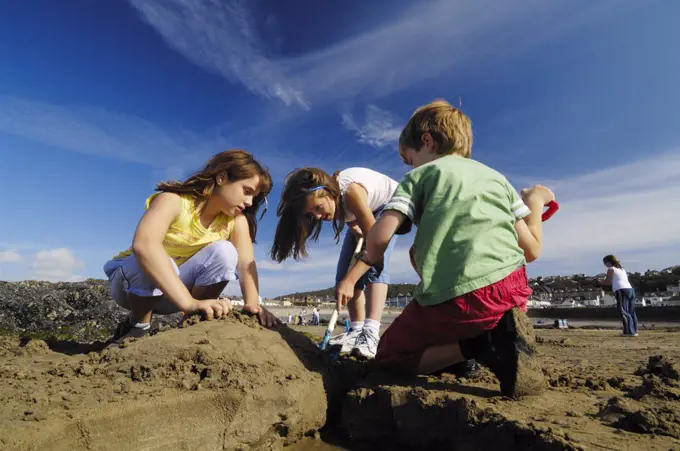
{"x":611,"y":260}
{"x":295,"y":227}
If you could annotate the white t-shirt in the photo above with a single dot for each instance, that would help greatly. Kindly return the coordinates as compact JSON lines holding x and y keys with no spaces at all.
{"x":378,"y":186}
{"x":620,"y":279}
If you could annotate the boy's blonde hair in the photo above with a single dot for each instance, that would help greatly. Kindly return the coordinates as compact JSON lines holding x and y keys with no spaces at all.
{"x":450,"y":128}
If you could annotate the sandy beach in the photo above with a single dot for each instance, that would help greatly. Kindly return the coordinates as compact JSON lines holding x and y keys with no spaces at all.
{"x":235,"y":384}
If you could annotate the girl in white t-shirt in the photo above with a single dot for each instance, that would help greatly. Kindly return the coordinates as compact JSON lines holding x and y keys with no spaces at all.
{"x":354,"y":196}
{"x":623,"y":292}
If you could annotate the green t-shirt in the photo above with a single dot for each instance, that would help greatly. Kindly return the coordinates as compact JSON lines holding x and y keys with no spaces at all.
{"x":465,"y":213}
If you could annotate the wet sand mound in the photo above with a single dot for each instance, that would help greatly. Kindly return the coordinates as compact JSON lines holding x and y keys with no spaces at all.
{"x":441,"y":414}
{"x":586,"y":405}
{"x":215,"y":385}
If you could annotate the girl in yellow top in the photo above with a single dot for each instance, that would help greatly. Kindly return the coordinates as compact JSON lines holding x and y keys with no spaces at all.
{"x":194,"y":238}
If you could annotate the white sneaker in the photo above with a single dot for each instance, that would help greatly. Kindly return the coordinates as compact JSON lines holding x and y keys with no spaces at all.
{"x":366,"y":344}
{"x":346,"y":340}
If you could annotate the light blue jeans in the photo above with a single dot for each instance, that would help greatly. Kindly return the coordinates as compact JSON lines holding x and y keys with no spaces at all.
{"x":213,"y":264}
{"x":349,"y":245}
{"x":625,"y":301}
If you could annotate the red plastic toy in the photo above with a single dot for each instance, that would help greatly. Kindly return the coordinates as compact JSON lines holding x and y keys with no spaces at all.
{"x":552,"y":209}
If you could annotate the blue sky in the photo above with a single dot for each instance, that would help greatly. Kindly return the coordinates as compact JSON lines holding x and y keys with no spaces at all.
{"x":100,"y":100}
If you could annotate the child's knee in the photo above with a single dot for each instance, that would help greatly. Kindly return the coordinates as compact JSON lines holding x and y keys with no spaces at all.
{"x":218,"y":265}
{"x":224,"y":252}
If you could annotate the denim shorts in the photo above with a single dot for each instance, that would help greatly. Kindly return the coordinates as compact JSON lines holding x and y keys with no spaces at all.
{"x":213,"y":264}
{"x":349,"y":245}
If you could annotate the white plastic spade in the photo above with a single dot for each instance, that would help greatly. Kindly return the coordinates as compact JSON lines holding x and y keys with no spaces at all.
{"x":334,"y":317}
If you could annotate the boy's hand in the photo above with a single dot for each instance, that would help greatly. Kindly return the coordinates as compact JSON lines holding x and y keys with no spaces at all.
{"x":537,"y":192}
{"x":344,"y":292}
{"x":267,"y":319}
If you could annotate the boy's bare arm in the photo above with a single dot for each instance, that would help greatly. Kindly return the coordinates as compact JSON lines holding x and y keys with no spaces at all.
{"x":381,"y":233}
{"x":531,"y":241}
{"x":530,"y":229}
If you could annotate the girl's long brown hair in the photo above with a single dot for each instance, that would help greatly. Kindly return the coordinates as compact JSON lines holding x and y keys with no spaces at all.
{"x":236,"y":165}
{"x":610,"y":259}
{"x":295,"y":227}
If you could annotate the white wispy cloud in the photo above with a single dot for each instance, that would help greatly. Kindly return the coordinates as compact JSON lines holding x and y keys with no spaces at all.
{"x":172,"y":153}
{"x":221,"y":38}
{"x":22,"y":245}
{"x":379,"y":128}
{"x":56,"y":265}
{"x":10,"y":256}
{"x":96,"y":131}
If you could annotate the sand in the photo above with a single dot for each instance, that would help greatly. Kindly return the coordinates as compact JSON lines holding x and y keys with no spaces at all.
{"x":604,"y":392}
{"x":214,"y":385}
{"x":233,"y":385}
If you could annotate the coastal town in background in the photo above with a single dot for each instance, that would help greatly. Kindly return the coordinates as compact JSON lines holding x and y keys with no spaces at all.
{"x":655,"y":288}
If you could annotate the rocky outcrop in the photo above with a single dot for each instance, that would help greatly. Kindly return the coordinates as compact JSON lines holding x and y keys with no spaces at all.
{"x":81,"y":311}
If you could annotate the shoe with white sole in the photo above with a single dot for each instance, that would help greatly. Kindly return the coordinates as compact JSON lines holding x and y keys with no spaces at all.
{"x":345,"y":340}
{"x":366,"y":345}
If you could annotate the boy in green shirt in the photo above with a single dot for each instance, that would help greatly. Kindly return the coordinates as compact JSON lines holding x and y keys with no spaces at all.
{"x":475,"y":235}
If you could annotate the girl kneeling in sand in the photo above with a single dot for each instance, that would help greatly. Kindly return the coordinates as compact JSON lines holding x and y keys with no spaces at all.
{"x":194,"y":238}
{"x":354,"y":196}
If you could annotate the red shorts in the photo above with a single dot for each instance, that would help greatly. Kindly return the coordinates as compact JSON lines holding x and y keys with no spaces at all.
{"x":467,"y":316}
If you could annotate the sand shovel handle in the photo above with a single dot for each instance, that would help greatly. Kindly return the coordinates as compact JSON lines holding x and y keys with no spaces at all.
{"x":334,"y":316}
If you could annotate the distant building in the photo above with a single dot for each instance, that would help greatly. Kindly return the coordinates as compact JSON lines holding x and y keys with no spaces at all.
{"x":578,"y":294}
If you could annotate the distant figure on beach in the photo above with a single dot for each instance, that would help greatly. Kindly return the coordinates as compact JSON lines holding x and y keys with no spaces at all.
{"x":194,"y":237}
{"x":315,"y":316}
{"x":624,"y":294}
{"x":353,"y":197}
{"x":475,"y":236}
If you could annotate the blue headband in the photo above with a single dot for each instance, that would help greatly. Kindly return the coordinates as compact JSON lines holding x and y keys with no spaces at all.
{"x":316,"y":188}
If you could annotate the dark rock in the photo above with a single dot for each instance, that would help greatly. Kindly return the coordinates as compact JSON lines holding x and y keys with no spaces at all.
{"x":79,"y":311}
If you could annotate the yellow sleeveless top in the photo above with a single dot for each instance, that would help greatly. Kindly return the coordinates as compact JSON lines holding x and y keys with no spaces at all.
{"x":186,"y":235}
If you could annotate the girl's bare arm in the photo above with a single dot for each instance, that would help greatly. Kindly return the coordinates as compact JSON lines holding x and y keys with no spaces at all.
{"x":247,"y":270}
{"x":147,"y":246}
{"x":356,"y":203}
